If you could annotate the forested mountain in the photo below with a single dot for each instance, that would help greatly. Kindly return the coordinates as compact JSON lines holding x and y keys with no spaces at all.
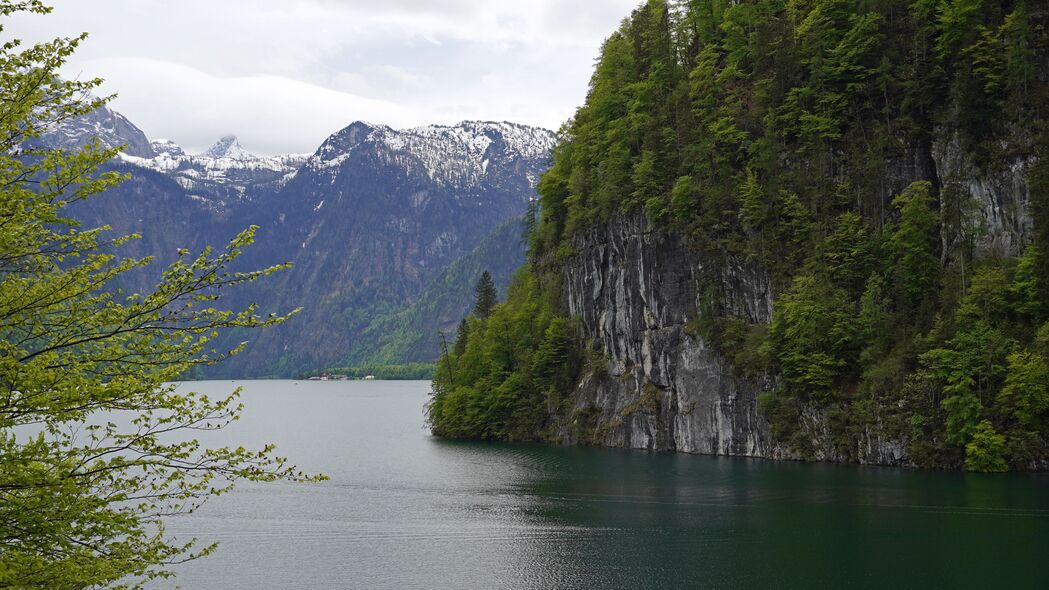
{"x":369,"y":221}
{"x":809,"y":229}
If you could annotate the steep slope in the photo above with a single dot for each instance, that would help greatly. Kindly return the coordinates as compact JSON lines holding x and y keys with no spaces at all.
{"x":796,"y":230}
{"x":104,"y":125}
{"x":412,"y":334}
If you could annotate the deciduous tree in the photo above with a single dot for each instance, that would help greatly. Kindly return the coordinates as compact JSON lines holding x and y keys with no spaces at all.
{"x":97,"y":446}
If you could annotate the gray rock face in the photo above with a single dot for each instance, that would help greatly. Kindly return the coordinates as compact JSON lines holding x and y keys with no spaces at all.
{"x":1001,"y":197}
{"x":636,"y":290}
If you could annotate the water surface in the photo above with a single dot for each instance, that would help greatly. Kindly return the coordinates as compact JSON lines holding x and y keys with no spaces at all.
{"x":406,"y":510}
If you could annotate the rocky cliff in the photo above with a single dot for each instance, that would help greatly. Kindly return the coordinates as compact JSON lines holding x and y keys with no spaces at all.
{"x":637,"y":291}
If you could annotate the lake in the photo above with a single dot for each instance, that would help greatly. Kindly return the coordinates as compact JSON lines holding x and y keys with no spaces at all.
{"x":406,"y":510}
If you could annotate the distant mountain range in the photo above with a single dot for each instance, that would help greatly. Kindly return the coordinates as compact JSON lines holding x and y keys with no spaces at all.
{"x":386,"y":228}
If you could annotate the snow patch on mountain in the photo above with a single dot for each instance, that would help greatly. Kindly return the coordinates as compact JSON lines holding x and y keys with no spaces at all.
{"x":105,"y":126}
{"x":463,"y":156}
{"x":459,"y":156}
{"x":166,"y":147}
{"x":228,"y":147}
{"x":225,"y":171}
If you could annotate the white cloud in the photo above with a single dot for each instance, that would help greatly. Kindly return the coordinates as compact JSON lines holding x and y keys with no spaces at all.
{"x":270,"y":114}
{"x":284,"y":74}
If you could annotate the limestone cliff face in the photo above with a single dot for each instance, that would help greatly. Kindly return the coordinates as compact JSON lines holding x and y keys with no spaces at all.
{"x":1002,"y":197}
{"x":635,"y":291}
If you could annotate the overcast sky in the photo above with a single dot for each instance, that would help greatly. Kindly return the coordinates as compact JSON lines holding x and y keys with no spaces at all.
{"x":284,"y":74}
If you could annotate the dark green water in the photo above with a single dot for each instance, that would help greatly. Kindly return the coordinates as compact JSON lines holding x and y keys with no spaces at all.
{"x":405,"y":510}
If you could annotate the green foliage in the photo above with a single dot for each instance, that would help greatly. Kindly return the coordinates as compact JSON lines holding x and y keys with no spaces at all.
{"x":747,"y":346}
{"x":551,"y":365}
{"x":986,"y":450}
{"x":1026,"y":290}
{"x":1026,"y":393}
{"x":485,"y":295}
{"x":914,"y":243}
{"x":94,"y":449}
{"x":462,"y":337}
{"x":963,"y":411}
{"x":849,"y":254}
{"x":815,"y":334}
{"x":972,"y":364}
{"x":517,"y":365}
{"x":709,"y":116}
{"x":957,"y":20}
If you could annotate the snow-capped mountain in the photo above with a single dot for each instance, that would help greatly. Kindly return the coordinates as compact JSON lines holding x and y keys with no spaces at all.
{"x":371,"y":220}
{"x":462,"y":156}
{"x":456,"y":156}
{"x":105,"y":125}
{"x":373,"y":216}
{"x":228,"y":147}
{"x":225,"y":172}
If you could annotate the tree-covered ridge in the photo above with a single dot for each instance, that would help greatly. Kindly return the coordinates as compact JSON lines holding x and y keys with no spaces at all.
{"x":806,"y":138}
{"x":750,"y":123}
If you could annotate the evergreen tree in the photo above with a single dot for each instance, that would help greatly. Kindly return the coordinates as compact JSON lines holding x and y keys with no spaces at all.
{"x":530,"y":223}
{"x":500,"y":387}
{"x":485,"y":296}
{"x":462,"y":337}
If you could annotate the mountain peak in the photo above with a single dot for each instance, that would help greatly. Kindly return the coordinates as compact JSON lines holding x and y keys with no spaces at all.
{"x":104,"y":125}
{"x":345,"y":139}
{"x":229,"y":147}
{"x":166,"y":147}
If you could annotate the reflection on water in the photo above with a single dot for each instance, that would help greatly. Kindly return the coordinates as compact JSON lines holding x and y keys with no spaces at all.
{"x":405,"y":510}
